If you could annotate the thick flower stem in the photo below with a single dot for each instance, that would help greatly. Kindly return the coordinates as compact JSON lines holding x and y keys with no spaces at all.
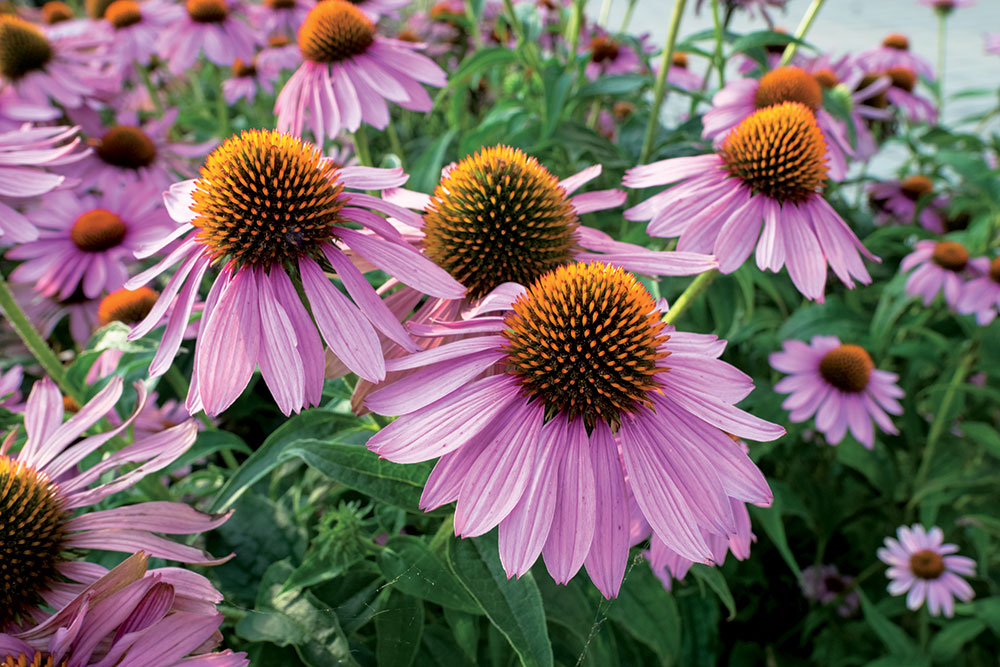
{"x":221,"y":108}
{"x":660,"y":88}
{"x":444,"y":531}
{"x":361,"y":147}
{"x":717,"y":59}
{"x":602,"y":19}
{"x":800,"y":32}
{"x":35,"y":342}
{"x":628,"y":15}
{"x":154,"y":95}
{"x":941,"y":418}
{"x":397,"y":145}
{"x":687,"y":297}
{"x":574,"y":28}
{"x":942,"y":45}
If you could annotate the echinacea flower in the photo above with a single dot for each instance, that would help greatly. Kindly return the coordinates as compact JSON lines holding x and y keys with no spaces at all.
{"x":742,"y":97}
{"x":947,"y":6}
{"x":840,"y":385}
{"x":526,"y":419}
{"x":940,"y":266}
{"x":46,"y":70}
{"x":901,"y":95}
{"x":499,"y":216}
{"x":894,"y":52}
{"x":609,"y":56}
{"x":246,"y":78}
{"x":130,"y":152}
{"x":826,"y":585}
{"x":44,"y":486}
{"x":213,"y":26}
{"x":10,"y":389}
{"x":88,"y":241}
{"x":771,"y":168}
{"x":54,"y":12}
{"x":926,"y":567}
{"x":130,"y":616}
{"x":348,"y":74}
{"x":279,"y":17}
{"x":24,"y":155}
{"x":133,"y":28}
{"x":898,"y":201}
{"x":981,"y":295}
{"x":680,"y":74}
{"x":376,"y":9}
{"x":268,"y":206}
{"x":46,"y":313}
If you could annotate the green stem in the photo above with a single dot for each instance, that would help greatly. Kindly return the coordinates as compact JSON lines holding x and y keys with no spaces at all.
{"x":687,"y":297}
{"x":36,"y":343}
{"x":221,"y":108}
{"x":397,"y":145}
{"x":941,"y":418}
{"x":660,"y":89}
{"x":800,"y":32}
{"x":628,"y":15}
{"x":515,"y":25}
{"x":154,"y":95}
{"x":594,"y":114}
{"x":470,"y":16}
{"x":602,"y":19}
{"x":575,"y":26}
{"x":444,"y":531}
{"x":361,"y":147}
{"x":720,"y":64}
{"x":180,"y":386}
{"x":942,"y":44}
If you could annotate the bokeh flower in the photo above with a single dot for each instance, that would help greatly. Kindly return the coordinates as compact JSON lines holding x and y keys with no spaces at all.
{"x":348,"y":74}
{"x":840,"y":385}
{"x":215,"y":27}
{"x":771,"y":168}
{"x":921,"y":563}
{"x":260,"y":235}
{"x":246,"y":79}
{"x":981,"y":295}
{"x":826,"y":585}
{"x":609,"y":56}
{"x":939,"y":266}
{"x":910,"y":200}
{"x":581,"y":365}
{"x":894,"y":52}
{"x":133,"y":27}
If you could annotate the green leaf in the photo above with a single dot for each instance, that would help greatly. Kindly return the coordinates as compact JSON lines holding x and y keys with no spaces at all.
{"x":361,"y":469}
{"x":210,"y":442}
{"x":310,"y":424}
{"x":711,"y":576}
{"x":623,"y":84}
{"x":649,"y":613}
{"x":426,"y":169}
{"x":893,"y":636}
{"x":770,"y":519}
{"x":948,"y":643}
{"x":984,"y":435}
{"x":514,"y":606}
{"x":465,"y":629}
{"x":764,"y":38}
{"x":556,"y":91}
{"x":411,"y":566}
{"x":399,"y":626}
{"x":479,"y":62}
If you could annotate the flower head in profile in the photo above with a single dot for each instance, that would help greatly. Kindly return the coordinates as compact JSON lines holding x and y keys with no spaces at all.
{"x":164,"y":617}
{"x":681,"y":75}
{"x":609,"y":55}
{"x":86,"y":242}
{"x":44,"y":487}
{"x":826,"y":585}
{"x":246,"y":77}
{"x":938,"y":266}
{"x":349,"y":74}
{"x":894,"y":52}
{"x":501,"y":217}
{"x":922,"y":564}
{"x":537,"y":420}
{"x":25,"y":156}
{"x":911,"y":200}
{"x":770,"y":169}
{"x":981,"y":295}
{"x":947,"y":6}
{"x":901,"y":94}
{"x":133,"y":28}
{"x":269,"y":207}
{"x":840,"y":385}
{"x":216,"y":27}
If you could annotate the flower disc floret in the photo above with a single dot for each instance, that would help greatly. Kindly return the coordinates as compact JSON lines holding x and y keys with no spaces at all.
{"x":499,"y":216}
{"x":128,"y":306}
{"x":585,"y":339}
{"x":23,"y":48}
{"x":335,"y":30}
{"x":32,"y":532}
{"x":264,"y":197}
{"x":903,"y":78}
{"x":98,"y":230}
{"x":779,"y":152}
{"x":788,"y":84}
{"x":207,"y":11}
{"x":896,"y":41}
{"x":950,"y":255}
{"x":848,"y":368}
{"x":927,"y":564}
{"x":126,"y":146}
{"x":54,"y":12}
{"x":916,"y":187}
{"x":23,"y":660}
{"x":603,"y":49}
{"x":123,"y":13}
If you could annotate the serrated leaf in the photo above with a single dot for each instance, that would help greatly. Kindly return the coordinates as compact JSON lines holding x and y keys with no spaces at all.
{"x":514,"y":606}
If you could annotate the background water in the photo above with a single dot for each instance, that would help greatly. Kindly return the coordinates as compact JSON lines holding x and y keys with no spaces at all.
{"x":849,"y":26}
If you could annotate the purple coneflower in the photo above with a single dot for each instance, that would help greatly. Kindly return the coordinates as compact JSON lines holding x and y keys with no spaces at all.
{"x":742,"y":97}
{"x":279,"y":17}
{"x":212,"y":26}
{"x":133,"y":28}
{"x":45,"y":484}
{"x":900,"y":94}
{"x":246,"y":78}
{"x":24,"y":155}
{"x":526,"y":419}
{"x":981,"y":295}
{"x":898,"y":201}
{"x":376,"y":9}
{"x":265,"y":207}
{"x":10,"y":389}
{"x":894,"y":52}
{"x":680,"y":75}
{"x":771,"y":168}
{"x":42,"y":70}
{"x":840,"y":385}
{"x":130,"y":616}
{"x":45,"y":313}
{"x":348,"y":74}
{"x":825,"y":585}
{"x":940,"y":266}
{"x":130,"y":152}
{"x":281,"y":54}
{"x":88,"y":241}
{"x":609,"y":56}
{"x":500,"y":216}
{"x":921,"y":564}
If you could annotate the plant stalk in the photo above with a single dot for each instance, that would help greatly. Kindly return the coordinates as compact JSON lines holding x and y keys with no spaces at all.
{"x":688,"y":296}
{"x":660,"y":88}
{"x":800,"y":32}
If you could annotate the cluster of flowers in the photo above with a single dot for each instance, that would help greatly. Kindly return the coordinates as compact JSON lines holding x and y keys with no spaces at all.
{"x":513,"y":342}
